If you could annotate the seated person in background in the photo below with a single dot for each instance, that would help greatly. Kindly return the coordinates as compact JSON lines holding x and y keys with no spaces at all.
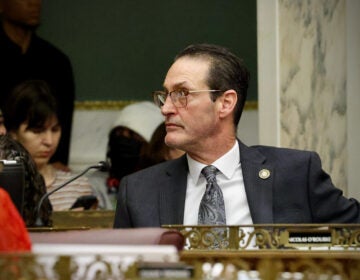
{"x":2,"y":124}
{"x":220,"y":180}
{"x":129,"y":138}
{"x":157,"y":151}
{"x":34,"y":183}
{"x":24,"y":55}
{"x":31,"y":118}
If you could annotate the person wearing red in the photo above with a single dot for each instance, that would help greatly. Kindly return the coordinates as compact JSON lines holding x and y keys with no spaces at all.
{"x":13,"y":234}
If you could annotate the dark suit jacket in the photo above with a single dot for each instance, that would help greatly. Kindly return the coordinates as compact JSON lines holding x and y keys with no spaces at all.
{"x":297,"y":191}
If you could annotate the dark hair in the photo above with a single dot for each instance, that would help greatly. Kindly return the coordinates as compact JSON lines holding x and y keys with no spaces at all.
{"x":124,"y":151}
{"x":157,"y":147}
{"x":34,"y":182}
{"x":157,"y":150}
{"x":31,"y":102}
{"x":227,"y":71}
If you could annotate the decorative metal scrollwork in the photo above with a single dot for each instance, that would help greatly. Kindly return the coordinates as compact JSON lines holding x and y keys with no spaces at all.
{"x":244,"y":237}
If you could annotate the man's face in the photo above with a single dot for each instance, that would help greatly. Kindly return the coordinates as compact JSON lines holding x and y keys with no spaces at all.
{"x":188,"y":128}
{"x":21,"y":12}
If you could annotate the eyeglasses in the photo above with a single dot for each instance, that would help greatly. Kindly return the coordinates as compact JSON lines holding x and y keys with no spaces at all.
{"x":178,"y":97}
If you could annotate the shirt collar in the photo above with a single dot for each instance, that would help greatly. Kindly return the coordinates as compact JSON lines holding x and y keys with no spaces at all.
{"x":227,"y":163}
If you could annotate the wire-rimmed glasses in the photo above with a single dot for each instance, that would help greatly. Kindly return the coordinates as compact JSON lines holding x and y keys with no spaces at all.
{"x":178,"y":97}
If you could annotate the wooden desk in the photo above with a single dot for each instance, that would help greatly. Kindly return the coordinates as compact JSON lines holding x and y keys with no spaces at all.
{"x":85,"y":219}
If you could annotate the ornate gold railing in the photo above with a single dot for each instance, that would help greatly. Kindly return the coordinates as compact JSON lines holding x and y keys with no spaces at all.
{"x":274,"y":264}
{"x":273,"y":252}
{"x":270,"y":236}
{"x":31,"y":266}
{"x":249,"y":265}
{"x":266,"y":252}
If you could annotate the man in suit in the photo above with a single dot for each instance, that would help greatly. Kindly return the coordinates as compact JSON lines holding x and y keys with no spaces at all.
{"x":204,"y":94}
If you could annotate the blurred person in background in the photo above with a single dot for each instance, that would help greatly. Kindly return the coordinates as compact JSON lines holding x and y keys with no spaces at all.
{"x":31,"y":118}
{"x":157,"y":151}
{"x":34,"y":182}
{"x":129,"y":139}
{"x":24,"y":56}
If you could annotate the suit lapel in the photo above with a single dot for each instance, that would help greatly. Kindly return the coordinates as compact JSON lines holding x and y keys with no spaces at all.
{"x":258,"y":186}
{"x":258,"y":190}
{"x":172,"y":193}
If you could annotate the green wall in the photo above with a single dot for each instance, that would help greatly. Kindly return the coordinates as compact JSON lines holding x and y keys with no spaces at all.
{"x":121,"y":50}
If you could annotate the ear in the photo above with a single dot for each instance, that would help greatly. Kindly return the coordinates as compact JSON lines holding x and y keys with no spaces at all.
{"x":227,"y":102}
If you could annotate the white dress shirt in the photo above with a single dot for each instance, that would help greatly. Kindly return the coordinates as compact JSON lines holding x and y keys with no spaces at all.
{"x":231,"y":182}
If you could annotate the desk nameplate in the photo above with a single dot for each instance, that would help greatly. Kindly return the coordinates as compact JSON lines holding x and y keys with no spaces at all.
{"x":317,"y":238}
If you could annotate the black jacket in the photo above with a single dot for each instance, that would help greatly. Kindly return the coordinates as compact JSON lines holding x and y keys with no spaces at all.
{"x":297,"y":191}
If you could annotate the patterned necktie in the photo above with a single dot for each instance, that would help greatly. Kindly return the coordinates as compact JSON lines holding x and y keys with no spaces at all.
{"x":212,"y":207}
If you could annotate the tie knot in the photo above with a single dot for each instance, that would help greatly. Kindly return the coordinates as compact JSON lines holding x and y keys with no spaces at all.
{"x":210,"y":173}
